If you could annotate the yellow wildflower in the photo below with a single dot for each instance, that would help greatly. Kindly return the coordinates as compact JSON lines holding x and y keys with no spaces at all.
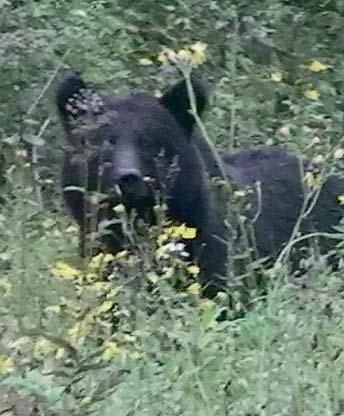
{"x":113,"y":292}
{"x":100,"y":259}
{"x":62,"y":269}
{"x":152,"y":277}
{"x":79,"y":331}
{"x":194,"y":54}
{"x":198,"y":52}
{"x":317,"y":66}
{"x":110,"y":350}
{"x":101,"y":286}
{"x":48,"y":223}
{"x":106,"y":306}
{"x":6,"y":364}
{"x":311,"y":179}
{"x":184,"y":55}
{"x":129,"y":338}
{"x":85,"y":401}
{"x":312,"y":94}
{"x":276,"y":76}
{"x":5,"y":286}
{"x":206,"y":304}
{"x":162,"y":238}
{"x":181,"y":231}
{"x":194,"y":289}
{"x":136,"y":355}
{"x":119,"y":209}
{"x":340,"y":199}
{"x":60,"y":353}
{"x":162,"y":57}
{"x":43,"y":348}
{"x":168,"y":272}
{"x":145,"y":62}
{"x":318,"y":159}
{"x":339,"y":153}
{"x":193,"y":270}
{"x":121,"y":254}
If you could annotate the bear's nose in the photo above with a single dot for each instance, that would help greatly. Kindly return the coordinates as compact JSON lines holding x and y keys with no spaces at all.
{"x":130,"y":181}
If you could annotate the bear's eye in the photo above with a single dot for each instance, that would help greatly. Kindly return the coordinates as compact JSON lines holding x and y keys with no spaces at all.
{"x":112,"y":139}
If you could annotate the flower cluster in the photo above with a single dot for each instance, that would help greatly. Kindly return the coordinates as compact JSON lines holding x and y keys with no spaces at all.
{"x":193,"y":55}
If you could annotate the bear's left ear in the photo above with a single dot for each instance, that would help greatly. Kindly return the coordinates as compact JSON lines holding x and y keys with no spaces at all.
{"x":75,"y":98}
{"x":176,"y":100}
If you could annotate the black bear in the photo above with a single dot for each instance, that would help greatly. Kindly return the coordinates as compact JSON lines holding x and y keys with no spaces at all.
{"x":116,"y":143}
{"x":121,"y":139}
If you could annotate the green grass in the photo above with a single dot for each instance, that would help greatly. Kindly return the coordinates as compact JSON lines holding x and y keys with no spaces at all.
{"x":168,"y":352}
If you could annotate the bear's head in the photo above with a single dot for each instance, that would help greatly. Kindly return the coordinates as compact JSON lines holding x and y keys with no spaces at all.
{"x":128,"y":147}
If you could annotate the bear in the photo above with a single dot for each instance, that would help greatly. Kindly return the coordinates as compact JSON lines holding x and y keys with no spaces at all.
{"x":122,"y":138}
{"x":282,"y":195}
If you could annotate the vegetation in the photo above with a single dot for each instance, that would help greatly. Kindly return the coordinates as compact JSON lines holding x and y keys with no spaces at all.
{"x":145,"y":341}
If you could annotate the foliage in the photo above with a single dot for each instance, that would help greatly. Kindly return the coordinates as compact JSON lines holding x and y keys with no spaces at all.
{"x":146,"y":342}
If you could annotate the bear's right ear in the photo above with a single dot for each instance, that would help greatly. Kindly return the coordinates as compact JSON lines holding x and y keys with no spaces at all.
{"x":75,"y":98}
{"x":176,"y":100}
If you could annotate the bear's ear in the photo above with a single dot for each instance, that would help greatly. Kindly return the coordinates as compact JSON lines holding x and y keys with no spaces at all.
{"x":176,"y":100}
{"x":75,"y":98}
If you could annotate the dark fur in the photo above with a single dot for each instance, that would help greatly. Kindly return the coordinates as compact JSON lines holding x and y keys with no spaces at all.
{"x":282,"y":196}
{"x":123,"y":137}
{"x":127,"y":134}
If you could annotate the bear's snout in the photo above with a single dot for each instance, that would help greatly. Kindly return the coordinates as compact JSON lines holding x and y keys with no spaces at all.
{"x":131,"y":184}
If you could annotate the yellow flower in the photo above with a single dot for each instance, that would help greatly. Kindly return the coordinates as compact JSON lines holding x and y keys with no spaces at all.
{"x":80,"y":330}
{"x":157,"y":94}
{"x":162,"y":238}
{"x":168,"y":272}
{"x":121,"y":254}
{"x":184,"y":55}
{"x":152,"y":277}
{"x":312,"y":94}
{"x":110,"y":350}
{"x":106,"y":306}
{"x":339,"y":153}
{"x":162,"y":57}
{"x":318,"y":159}
{"x":113,"y":292}
{"x":193,"y":270}
{"x":119,"y":209}
{"x":6,"y":286}
{"x":129,"y":338}
{"x":145,"y":62}
{"x":136,"y":355}
{"x":167,"y":56}
{"x":162,"y":253}
{"x":43,"y":348}
{"x":100,"y":259}
{"x":198,"y":52}
{"x":340,"y":199}
{"x":276,"y":76}
{"x":317,"y":66}
{"x":206,"y":304}
{"x":101,"y":286}
{"x":311,"y":179}
{"x":6,"y":364}
{"x":181,"y":231}
{"x":194,"y":54}
{"x":194,"y":289}
{"x":62,"y":269}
